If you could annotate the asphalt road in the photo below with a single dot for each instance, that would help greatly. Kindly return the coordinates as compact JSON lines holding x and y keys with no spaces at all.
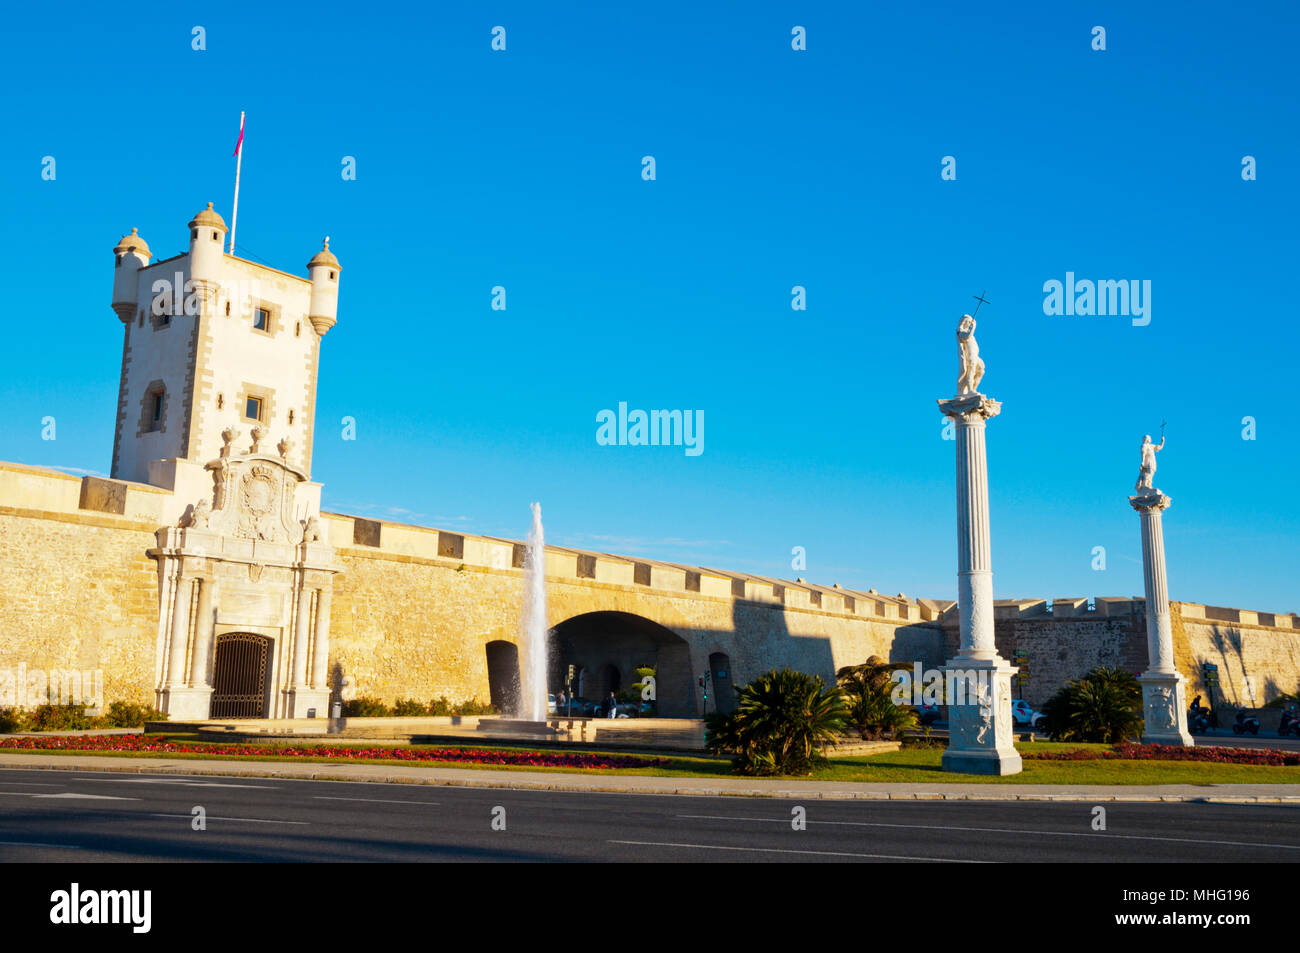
{"x":82,"y":817}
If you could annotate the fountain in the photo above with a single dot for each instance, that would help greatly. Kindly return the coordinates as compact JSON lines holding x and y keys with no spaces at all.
{"x":533,"y":667}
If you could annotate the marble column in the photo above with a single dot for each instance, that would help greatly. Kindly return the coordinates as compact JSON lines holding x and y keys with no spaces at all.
{"x":307,"y":694}
{"x":1164,"y":705}
{"x":180,"y":634}
{"x":981,"y":737}
{"x":180,"y":699}
{"x":301,"y":634}
{"x":202,"y":638}
{"x":321,"y":648}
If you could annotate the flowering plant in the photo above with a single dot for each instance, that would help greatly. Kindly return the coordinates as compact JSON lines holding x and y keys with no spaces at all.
{"x":163,"y":745}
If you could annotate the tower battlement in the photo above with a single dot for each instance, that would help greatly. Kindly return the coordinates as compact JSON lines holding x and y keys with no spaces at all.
{"x":212,"y":341}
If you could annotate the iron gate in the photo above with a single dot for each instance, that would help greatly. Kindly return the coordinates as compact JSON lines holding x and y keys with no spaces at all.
{"x":239,"y":676}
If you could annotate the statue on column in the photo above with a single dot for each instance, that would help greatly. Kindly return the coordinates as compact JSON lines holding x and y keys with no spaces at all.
{"x":1148,"y":469}
{"x":972,"y":368}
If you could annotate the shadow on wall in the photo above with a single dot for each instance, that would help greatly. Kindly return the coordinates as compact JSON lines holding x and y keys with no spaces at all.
{"x":1246,"y":690}
{"x":698,"y":670}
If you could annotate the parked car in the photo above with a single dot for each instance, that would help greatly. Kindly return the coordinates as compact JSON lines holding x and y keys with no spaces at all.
{"x":580,"y":708}
{"x":926,"y":714}
{"x":1024,"y":716}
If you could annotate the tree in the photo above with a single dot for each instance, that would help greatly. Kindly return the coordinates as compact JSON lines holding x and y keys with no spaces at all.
{"x":1103,"y":706}
{"x":867,"y":691}
{"x":781,"y":722}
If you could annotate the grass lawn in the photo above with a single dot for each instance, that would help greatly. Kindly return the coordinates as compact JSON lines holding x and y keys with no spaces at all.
{"x":912,"y":765}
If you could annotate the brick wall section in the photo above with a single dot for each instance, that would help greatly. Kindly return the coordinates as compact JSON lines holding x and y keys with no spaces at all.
{"x":78,"y":592}
{"x":1060,"y":650}
{"x":1256,"y":662}
{"x":407,"y":626}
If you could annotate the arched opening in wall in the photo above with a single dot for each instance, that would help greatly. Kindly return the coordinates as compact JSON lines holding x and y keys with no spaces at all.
{"x":608,"y":648}
{"x":239,"y":675}
{"x":503,"y":676}
{"x":724,"y":694}
{"x":610,"y":680}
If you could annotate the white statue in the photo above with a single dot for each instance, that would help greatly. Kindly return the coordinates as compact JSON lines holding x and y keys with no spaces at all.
{"x":972,"y":368}
{"x":1149,"y":451}
{"x":311,"y":529}
{"x":199,"y":517}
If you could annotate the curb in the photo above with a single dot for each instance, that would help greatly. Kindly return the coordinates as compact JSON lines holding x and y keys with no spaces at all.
{"x":570,"y":788}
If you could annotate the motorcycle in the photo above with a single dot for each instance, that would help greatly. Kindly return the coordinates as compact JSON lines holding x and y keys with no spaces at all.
{"x":1243,"y":724}
{"x":1289,"y":725}
{"x":1200,"y":719}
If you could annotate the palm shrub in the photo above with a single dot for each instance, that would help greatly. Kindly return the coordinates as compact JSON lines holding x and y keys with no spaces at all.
{"x":1104,"y":706}
{"x":867,"y":691}
{"x":782,"y":720}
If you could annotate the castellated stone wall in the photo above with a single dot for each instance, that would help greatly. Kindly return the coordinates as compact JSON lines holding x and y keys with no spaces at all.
{"x":414,"y":610}
{"x":1258,"y":654}
{"x":417,"y":611}
{"x":77,"y":591}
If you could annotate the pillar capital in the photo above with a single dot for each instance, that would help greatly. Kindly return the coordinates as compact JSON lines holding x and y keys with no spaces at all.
{"x":1150,"y":500}
{"x":969,"y":405}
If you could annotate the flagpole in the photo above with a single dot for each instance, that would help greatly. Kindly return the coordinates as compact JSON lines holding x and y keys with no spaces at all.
{"x":239,"y":159}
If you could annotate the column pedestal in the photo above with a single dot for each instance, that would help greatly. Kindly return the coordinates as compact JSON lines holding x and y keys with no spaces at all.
{"x":300,"y":700}
{"x":1164,"y":709}
{"x":981,"y":737}
{"x":183,"y":703}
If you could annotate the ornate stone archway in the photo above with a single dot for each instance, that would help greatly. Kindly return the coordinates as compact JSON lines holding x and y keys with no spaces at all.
{"x":247,"y":556}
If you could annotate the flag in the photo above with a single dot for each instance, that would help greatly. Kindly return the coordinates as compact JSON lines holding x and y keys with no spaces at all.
{"x":240,"y":143}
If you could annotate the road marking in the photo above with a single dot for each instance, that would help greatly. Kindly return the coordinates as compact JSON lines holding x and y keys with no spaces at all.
{"x":782,"y":850}
{"x":186,"y":783}
{"x":23,"y":843}
{"x":248,"y":820}
{"x":369,"y":800}
{"x":32,"y":784}
{"x":998,"y":830}
{"x":73,"y":796}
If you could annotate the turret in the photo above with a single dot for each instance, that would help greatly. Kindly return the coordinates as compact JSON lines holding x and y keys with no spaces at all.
{"x":323,"y":270}
{"x":207,"y":245}
{"x":131,"y":254}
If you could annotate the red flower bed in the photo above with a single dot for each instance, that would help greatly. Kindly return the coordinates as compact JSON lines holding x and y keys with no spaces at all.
{"x":140,"y":742}
{"x":1128,"y":751}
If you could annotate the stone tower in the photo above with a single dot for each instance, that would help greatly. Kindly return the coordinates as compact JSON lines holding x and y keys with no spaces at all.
{"x":216,"y":407}
{"x":212,"y":342}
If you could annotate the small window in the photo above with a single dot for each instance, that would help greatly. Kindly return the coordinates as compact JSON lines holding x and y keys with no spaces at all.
{"x":227,"y":309}
{"x":153,"y":408}
{"x":221,"y":401}
{"x":291,"y":417}
{"x":194,"y":233}
{"x":331,"y":276}
{"x":216,"y":236}
{"x":253,"y":408}
{"x":262,"y":319}
{"x":297,"y":329}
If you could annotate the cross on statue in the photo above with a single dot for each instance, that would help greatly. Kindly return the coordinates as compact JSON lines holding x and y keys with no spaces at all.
{"x":982,"y":300}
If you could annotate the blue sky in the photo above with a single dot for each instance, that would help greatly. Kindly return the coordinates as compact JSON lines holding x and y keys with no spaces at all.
{"x":775,"y":168}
